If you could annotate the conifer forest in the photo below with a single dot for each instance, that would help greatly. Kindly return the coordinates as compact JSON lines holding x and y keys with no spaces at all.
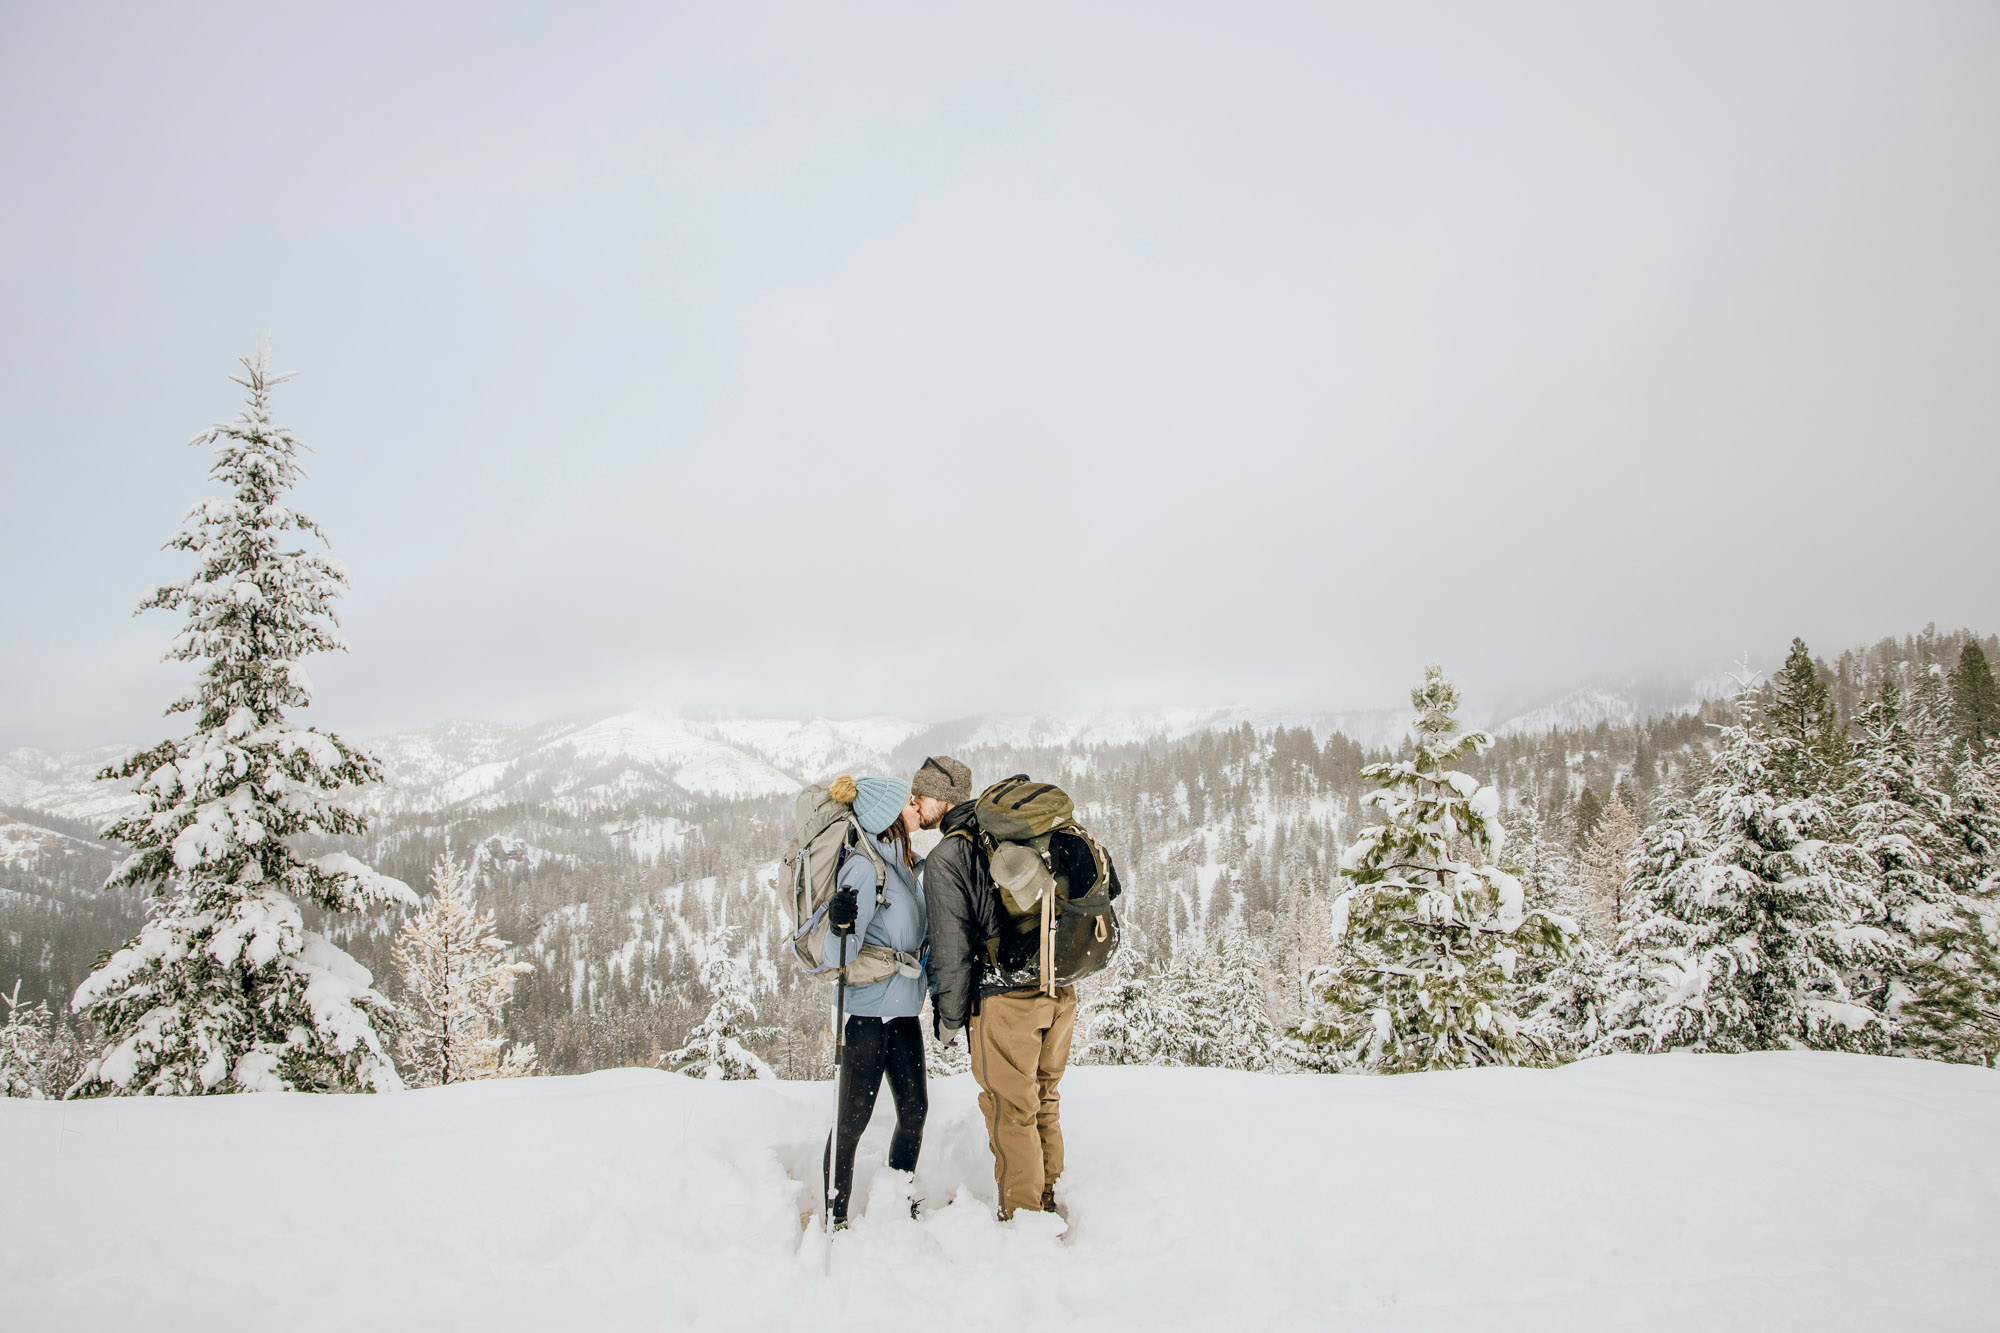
{"x":1804,"y":859}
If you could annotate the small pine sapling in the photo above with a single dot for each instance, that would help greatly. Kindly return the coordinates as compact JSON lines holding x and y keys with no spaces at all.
{"x":457,"y":979}
{"x":23,"y":1045}
{"x":715,"y":1048}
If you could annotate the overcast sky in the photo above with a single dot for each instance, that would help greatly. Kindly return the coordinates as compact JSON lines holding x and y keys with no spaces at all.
{"x":860,"y":359}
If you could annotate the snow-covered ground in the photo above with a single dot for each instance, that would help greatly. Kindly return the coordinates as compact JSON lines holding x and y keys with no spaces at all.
{"x":1767,"y":1191}
{"x":1666,"y":1192}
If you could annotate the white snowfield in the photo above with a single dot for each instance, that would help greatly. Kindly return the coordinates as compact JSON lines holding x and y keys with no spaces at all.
{"x":1666,"y":1192}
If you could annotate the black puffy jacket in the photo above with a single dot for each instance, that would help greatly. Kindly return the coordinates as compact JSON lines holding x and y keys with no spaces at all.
{"x":964,"y":913}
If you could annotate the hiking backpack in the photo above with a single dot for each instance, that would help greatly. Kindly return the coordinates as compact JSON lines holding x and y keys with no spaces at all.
{"x":1051,"y":874}
{"x":826,"y":834}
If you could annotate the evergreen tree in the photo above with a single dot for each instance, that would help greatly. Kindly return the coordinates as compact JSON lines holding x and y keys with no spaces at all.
{"x":1299,"y":936}
{"x":1243,"y":1035}
{"x":1563,"y":989}
{"x":1430,"y":929}
{"x":1605,"y":854}
{"x":23,"y":1045}
{"x":1975,"y":699}
{"x":456,"y":980}
{"x":1806,"y":751}
{"x":1898,"y":824}
{"x":1930,"y":716}
{"x":1974,"y":828}
{"x":1184,"y":1033}
{"x":1741,"y":926}
{"x":1953,"y":1011}
{"x":715,"y":1048}
{"x":1589,"y":809}
{"x":1120,"y":1022}
{"x":225,"y":989}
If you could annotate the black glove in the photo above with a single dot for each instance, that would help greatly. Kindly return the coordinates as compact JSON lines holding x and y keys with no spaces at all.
{"x":946,"y":1033}
{"x":843,"y":910}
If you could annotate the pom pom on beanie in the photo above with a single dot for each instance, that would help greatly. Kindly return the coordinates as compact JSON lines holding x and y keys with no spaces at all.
{"x":842,"y":789}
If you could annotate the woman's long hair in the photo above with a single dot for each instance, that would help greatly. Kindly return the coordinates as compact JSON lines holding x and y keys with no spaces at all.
{"x":899,"y":835}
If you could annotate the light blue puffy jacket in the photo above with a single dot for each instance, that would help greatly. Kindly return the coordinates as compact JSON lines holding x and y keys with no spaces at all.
{"x":901,"y":923}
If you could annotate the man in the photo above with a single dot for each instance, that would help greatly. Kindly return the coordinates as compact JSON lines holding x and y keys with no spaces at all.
{"x":1019,"y":1037}
{"x":941,"y":783}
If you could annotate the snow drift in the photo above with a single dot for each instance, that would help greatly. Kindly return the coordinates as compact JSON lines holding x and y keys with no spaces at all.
{"x":1720,"y":1192}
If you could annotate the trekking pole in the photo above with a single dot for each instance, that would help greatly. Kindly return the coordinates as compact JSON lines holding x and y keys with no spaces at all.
{"x":839,"y":1061}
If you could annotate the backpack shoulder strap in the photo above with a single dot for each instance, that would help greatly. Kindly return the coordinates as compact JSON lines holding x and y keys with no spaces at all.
{"x":858,"y":837}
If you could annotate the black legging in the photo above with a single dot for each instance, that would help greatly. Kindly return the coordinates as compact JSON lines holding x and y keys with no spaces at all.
{"x":878,"y":1046}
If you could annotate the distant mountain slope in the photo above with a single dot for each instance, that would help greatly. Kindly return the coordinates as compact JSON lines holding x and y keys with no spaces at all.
{"x":1375,"y":728}
{"x":645,"y":757}
{"x":1621,"y":704}
{"x":62,"y":784}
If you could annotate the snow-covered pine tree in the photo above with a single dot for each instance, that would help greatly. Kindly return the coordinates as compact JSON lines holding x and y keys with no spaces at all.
{"x":1605,"y":854}
{"x":1299,"y":939}
{"x":1929,"y":714}
{"x":1953,"y":1012}
{"x":1898,"y":822}
{"x":1120,"y":1023}
{"x":1183,"y":1031}
{"x":1563,"y":990}
{"x":1244,"y":1037}
{"x":1430,"y":928}
{"x":715,"y":1048}
{"x":225,"y":990}
{"x":1975,"y":821}
{"x":23,"y":1042}
{"x":1808,"y":751}
{"x":1743,"y":919}
{"x":456,"y":980}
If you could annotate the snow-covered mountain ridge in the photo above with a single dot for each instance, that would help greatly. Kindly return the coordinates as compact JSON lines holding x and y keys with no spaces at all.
{"x":645,"y":755}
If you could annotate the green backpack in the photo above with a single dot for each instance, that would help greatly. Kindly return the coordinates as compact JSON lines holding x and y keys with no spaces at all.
{"x":1052,"y":876}
{"x":825,"y":835}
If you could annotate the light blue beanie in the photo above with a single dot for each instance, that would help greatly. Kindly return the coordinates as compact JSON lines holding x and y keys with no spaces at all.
{"x":877,"y":801}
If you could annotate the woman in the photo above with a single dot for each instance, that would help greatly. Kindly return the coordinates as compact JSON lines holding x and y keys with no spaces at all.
{"x":883,"y":1036}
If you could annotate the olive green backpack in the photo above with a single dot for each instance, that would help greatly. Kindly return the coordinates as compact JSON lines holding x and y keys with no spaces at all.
{"x":1051,"y":876}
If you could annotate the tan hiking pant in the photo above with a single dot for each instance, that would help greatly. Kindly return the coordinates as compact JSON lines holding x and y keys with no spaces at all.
{"x":1020,"y":1044}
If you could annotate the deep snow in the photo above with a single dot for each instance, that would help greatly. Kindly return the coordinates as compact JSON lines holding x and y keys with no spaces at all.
{"x":1669,"y":1192}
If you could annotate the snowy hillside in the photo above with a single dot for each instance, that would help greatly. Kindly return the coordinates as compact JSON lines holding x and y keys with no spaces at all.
{"x":643,"y":757}
{"x":1761,"y":1192}
{"x":1375,"y":728}
{"x":62,"y":784}
{"x":30,"y":847}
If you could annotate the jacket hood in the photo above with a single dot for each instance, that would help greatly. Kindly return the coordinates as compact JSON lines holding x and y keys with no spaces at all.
{"x":960,"y":816}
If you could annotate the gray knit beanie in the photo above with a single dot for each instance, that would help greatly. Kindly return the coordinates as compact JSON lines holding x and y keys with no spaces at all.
{"x":943,"y":778}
